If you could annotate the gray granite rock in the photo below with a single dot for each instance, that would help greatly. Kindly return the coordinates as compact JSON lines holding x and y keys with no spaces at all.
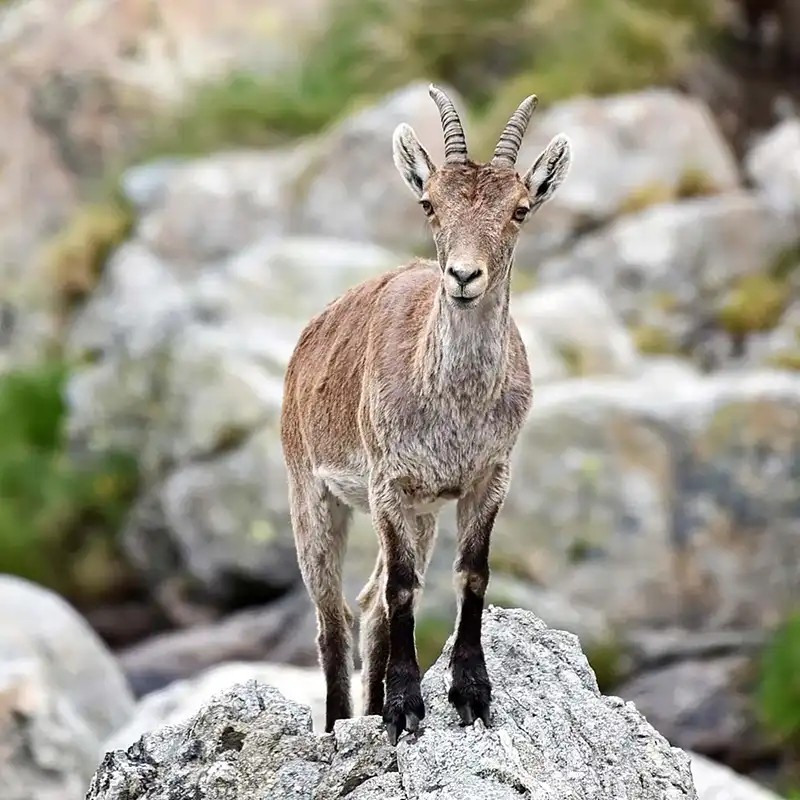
{"x":61,"y":695}
{"x":623,"y":145}
{"x":554,"y":737}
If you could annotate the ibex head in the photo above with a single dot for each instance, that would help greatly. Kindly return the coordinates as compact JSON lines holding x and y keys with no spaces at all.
{"x":476,"y":211}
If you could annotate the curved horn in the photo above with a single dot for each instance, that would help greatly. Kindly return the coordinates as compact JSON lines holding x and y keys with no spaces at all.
{"x":455,"y":143}
{"x":508,"y":145}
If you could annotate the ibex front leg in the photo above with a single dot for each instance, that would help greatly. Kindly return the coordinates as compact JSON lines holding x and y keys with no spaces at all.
{"x":471,"y":690}
{"x":403,"y":707}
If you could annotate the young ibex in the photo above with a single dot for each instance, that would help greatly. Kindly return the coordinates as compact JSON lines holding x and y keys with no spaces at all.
{"x":408,"y":391}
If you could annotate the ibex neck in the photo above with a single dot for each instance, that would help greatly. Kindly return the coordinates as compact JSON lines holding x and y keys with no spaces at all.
{"x":465,"y":350}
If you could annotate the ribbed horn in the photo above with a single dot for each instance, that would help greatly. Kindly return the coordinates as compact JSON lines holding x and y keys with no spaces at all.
{"x":511,"y":138}
{"x":455,"y":143}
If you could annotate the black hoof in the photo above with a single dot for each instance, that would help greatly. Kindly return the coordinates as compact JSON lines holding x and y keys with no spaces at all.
{"x":403,"y":711}
{"x":471,"y":693}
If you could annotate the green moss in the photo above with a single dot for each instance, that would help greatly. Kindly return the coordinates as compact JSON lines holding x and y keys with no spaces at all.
{"x":513,"y":566}
{"x":755,"y":303}
{"x":650,"y":194}
{"x":788,"y":360}
{"x":431,"y":633}
{"x":522,"y":280}
{"x":572,"y":357}
{"x":579,"y":550}
{"x":786,"y":263}
{"x":74,"y":258}
{"x":778,"y":693}
{"x":608,"y":661}
{"x":695,"y":182}
{"x":58,"y":516}
{"x":652,"y":340}
{"x":666,"y":301}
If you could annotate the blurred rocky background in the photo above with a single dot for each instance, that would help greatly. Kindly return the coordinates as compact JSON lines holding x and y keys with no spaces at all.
{"x":184,"y":183}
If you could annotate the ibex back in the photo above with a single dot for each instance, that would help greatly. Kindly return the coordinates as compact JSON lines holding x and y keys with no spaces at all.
{"x":408,"y":391}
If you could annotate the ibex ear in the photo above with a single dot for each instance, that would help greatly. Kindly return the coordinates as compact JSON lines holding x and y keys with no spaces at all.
{"x":411,"y":160}
{"x":549,"y":170}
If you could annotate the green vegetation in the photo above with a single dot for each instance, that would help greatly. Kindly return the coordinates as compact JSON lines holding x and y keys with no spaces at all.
{"x":755,"y":303}
{"x":606,"y":46}
{"x":786,"y":263}
{"x":693,"y":182}
{"x":650,"y":194}
{"x":779,"y":685}
{"x":788,"y":360}
{"x":608,"y":662}
{"x":573,"y":358}
{"x":58,"y":517}
{"x":431,"y":633}
{"x":555,"y":48}
{"x":652,"y":340}
{"x":778,"y":696}
{"x":75,"y":256}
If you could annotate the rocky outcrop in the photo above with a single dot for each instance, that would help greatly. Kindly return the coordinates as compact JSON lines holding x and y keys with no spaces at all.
{"x":180,"y":701}
{"x":553,"y":736}
{"x":773,"y":164}
{"x":704,"y":703}
{"x":678,"y":273}
{"x":661,"y":501}
{"x":61,"y":695}
{"x":656,"y":143}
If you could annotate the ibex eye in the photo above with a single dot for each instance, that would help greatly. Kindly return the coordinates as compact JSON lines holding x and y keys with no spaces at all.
{"x":520,"y":213}
{"x":426,"y":207}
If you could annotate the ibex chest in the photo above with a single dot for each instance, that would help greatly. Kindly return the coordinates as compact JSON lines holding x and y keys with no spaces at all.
{"x":437,"y":453}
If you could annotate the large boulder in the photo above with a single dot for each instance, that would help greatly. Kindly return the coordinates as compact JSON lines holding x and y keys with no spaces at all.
{"x":705,"y":704}
{"x":283,"y":631}
{"x":352,"y":171}
{"x":181,"y":700}
{"x":47,"y":751}
{"x":217,"y":528}
{"x":575,"y":321}
{"x":654,"y":143}
{"x":61,"y":695}
{"x":183,"y":365}
{"x":773,"y":164}
{"x":660,"y":501}
{"x":341,"y":184}
{"x":717,"y":782}
{"x":678,"y":273}
{"x":553,"y":736}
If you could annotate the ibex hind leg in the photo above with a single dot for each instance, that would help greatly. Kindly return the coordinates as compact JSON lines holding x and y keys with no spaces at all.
{"x":320,"y":522}
{"x":374,"y":639}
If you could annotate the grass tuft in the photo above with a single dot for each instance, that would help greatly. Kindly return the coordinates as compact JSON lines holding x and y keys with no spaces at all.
{"x":58,"y":517}
{"x":778,"y":693}
{"x":74,"y":258}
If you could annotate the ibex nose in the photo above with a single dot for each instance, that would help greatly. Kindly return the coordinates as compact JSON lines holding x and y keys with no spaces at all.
{"x":464,"y":275}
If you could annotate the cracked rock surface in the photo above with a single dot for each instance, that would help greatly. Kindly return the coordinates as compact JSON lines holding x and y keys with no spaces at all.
{"x":554,"y":737}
